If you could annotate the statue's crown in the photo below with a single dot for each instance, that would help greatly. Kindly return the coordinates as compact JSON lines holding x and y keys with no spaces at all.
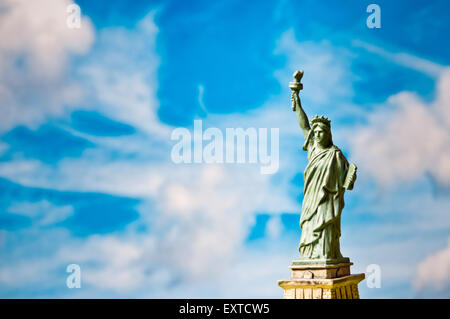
{"x":320,"y":119}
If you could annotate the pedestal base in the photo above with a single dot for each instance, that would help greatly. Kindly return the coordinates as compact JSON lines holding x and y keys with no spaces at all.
{"x":321,"y":281}
{"x":343,"y":260}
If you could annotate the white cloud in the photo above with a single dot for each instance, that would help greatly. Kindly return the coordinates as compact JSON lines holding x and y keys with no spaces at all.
{"x":214,"y":213}
{"x":30,"y":261}
{"x":434,"y":272}
{"x":404,"y":59}
{"x":407,"y":138}
{"x":326,"y":78}
{"x":401,"y":228}
{"x":34,"y":53}
{"x":274,"y":227}
{"x":42,"y":212}
{"x":25,"y":272}
{"x":109,"y":262}
{"x":121,"y":75}
{"x":200,"y":214}
{"x":197,"y":214}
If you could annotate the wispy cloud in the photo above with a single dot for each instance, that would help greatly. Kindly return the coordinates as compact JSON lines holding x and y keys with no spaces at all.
{"x":404,"y":59}
{"x":327,"y":77}
{"x":121,"y":75}
{"x":42,"y":212}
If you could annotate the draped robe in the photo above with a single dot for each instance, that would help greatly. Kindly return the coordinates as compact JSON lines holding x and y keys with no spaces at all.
{"x":323,"y":202}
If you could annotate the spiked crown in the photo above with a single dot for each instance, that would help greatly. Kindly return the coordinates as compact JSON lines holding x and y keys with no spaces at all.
{"x":321,"y":119}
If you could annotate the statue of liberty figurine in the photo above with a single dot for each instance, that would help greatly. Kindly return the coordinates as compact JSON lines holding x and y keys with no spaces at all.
{"x":327,"y":176}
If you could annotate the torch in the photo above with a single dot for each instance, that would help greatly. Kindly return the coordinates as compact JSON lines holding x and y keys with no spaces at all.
{"x":296,"y":85}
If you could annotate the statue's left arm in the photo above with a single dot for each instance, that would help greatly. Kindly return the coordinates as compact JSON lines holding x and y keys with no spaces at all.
{"x":350,"y":177}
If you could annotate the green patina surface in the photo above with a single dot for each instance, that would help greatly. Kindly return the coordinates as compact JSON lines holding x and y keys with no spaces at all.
{"x":327,"y":176}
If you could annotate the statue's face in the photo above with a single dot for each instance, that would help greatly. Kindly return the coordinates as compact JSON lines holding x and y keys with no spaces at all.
{"x":321,"y":136}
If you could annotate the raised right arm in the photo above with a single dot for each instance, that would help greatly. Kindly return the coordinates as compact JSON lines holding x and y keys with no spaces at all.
{"x":302,"y":118}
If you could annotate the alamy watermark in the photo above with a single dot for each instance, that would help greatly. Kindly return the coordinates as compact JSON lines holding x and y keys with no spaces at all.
{"x":373,"y":274}
{"x":74,"y":279}
{"x":373,"y":20}
{"x":73,"y":20}
{"x":238,"y":146}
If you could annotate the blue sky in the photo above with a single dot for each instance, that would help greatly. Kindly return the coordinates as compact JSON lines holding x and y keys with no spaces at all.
{"x":86,"y":175}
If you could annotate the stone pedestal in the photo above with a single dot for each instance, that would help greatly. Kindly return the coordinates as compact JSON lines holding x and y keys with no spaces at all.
{"x":325,"y":280}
